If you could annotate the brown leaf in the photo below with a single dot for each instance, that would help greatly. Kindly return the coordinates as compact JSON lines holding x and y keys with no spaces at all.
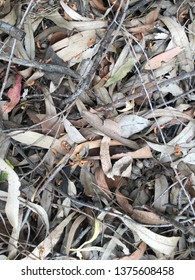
{"x":137,"y":254}
{"x":101,"y":181}
{"x":146,"y":217}
{"x":98,"y":4}
{"x":123,"y":202}
{"x":152,"y":16}
{"x":88,"y":181}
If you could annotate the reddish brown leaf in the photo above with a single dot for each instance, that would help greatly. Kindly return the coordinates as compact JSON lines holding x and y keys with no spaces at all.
{"x":137,"y":254}
{"x":14,"y":95}
{"x":123,"y":202}
{"x":157,"y":60}
{"x":101,"y":181}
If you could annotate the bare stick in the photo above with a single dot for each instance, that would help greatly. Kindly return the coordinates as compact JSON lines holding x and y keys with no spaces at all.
{"x":13,"y":31}
{"x":44,"y":67}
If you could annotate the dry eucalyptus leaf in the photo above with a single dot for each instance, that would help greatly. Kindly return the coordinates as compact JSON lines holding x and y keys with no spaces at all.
{"x":37,"y":209}
{"x":73,"y":133}
{"x":72,"y":231}
{"x":160,"y":243}
{"x":112,"y":243}
{"x":123,"y":202}
{"x":47,"y":245}
{"x":131,"y":124}
{"x":146,"y":217}
{"x":37,"y":139}
{"x":156,"y":61}
{"x":161,"y":194}
{"x":101,"y":182}
{"x":29,"y":41}
{"x":180,"y":39}
{"x":12,"y":204}
{"x":121,"y":72}
{"x":74,"y":15}
{"x":137,"y":254}
{"x":122,"y":167}
{"x":88,"y":181}
{"x":105,"y":156}
{"x":73,"y":46}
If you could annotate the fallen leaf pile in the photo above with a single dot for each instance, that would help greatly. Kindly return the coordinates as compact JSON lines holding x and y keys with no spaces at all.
{"x":97,"y":139}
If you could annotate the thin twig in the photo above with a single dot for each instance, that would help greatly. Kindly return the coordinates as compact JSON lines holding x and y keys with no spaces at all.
{"x":121,"y":102}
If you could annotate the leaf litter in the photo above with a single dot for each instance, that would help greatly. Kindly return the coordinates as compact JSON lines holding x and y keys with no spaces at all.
{"x":97,"y":136}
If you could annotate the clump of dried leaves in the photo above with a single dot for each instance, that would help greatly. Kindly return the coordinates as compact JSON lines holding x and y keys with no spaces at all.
{"x":97,"y":154}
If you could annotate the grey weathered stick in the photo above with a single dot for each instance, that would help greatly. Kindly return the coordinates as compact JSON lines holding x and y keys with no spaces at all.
{"x":121,"y":102}
{"x":42,"y":66}
{"x":12,"y":30}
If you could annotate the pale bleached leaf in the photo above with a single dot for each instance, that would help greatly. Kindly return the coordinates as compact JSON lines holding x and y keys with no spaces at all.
{"x":73,"y":133}
{"x":131,"y":124}
{"x":161,"y":194}
{"x":190,"y":158}
{"x":164,"y":149}
{"x":73,"y":46}
{"x":105,"y":127}
{"x":174,"y":89}
{"x":13,"y":241}
{"x":12,"y":204}
{"x":89,"y":25}
{"x":29,"y":38}
{"x":50,"y":108}
{"x":185,"y":135}
{"x":37,"y":139}
{"x":95,"y":232}
{"x":160,"y":243}
{"x":80,"y":25}
{"x":74,"y":15}
{"x":105,"y":156}
{"x":58,"y":20}
{"x":191,"y":28}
